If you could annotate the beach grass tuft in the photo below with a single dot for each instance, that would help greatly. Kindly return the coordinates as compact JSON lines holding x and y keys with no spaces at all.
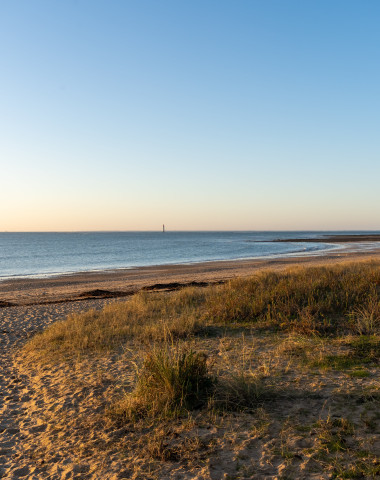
{"x":172,"y":380}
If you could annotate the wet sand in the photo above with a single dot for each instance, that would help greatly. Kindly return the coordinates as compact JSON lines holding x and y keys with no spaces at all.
{"x":124,"y":282}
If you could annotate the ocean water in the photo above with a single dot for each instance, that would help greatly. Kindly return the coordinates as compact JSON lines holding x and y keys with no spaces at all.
{"x":48,"y":254}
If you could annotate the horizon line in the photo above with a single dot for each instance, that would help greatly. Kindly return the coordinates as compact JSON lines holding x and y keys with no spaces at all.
{"x":189,"y":231}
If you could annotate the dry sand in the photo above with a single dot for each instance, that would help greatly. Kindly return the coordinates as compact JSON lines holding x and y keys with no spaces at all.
{"x":17,"y":324}
{"x":28,"y":397}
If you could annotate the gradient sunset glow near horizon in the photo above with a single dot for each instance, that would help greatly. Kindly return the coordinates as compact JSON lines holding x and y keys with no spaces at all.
{"x":203,"y":115}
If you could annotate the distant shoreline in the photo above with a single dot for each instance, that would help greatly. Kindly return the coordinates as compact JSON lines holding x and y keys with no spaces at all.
{"x":49,"y":256}
{"x":124,"y":282}
{"x":331,"y":239}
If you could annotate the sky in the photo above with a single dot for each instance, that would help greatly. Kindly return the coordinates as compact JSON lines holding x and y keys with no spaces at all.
{"x":201,"y":114}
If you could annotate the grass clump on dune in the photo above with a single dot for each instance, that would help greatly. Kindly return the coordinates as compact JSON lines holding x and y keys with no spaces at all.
{"x":366,"y":318}
{"x":175,"y":380}
{"x":171,"y":381}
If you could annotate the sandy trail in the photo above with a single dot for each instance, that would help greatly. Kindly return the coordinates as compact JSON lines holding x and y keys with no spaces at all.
{"x":17,"y":324}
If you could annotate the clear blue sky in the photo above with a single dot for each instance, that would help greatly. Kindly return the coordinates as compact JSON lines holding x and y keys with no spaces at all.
{"x":247,"y":114}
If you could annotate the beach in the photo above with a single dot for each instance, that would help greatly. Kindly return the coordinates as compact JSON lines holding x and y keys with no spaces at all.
{"x":30,"y":395}
{"x":124,"y":282}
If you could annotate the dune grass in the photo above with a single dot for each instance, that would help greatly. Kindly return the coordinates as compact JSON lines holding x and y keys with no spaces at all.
{"x":324,"y":301}
{"x":145,"y":316}
{"x":314,"y":300}
{"x":172,"y":380}
{"x":175,"y":380}
{"x":363,"y":351}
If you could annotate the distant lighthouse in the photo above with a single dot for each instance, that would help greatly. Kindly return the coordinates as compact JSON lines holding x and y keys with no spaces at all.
{"x":163,"y":228}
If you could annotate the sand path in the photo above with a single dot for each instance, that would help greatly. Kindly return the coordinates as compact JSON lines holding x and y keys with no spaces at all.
{"x":17,"y":324}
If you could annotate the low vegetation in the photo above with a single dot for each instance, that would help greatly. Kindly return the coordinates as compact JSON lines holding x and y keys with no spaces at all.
{"x":349,"y":353}
{"x":325,"y":301}
{"x":174,"y":380}
{"x":171,"y":381}
{"x":148,"y":317}
{"x":271,"y":376}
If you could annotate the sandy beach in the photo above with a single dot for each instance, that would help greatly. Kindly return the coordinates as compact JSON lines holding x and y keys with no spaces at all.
{"x":26,"y":395}
{"x":124,"y":282}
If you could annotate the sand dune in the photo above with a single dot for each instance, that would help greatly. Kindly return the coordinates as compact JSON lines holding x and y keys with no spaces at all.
{"x":50,"y":422}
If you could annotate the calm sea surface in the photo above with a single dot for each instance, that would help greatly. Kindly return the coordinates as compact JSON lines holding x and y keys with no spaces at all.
{"x":40,"y":254}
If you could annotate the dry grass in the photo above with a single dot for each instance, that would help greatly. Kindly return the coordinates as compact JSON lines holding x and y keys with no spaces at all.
{"x":146,"y":317}
{"x":345,"y":353}
{"x":175,"y":380}
{"x":366,"y":319}
{"x":323,"y":300}
{"x":312,"y":301}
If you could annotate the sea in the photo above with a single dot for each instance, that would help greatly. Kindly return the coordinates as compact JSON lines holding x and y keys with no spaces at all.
{"x":49,"y":254}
